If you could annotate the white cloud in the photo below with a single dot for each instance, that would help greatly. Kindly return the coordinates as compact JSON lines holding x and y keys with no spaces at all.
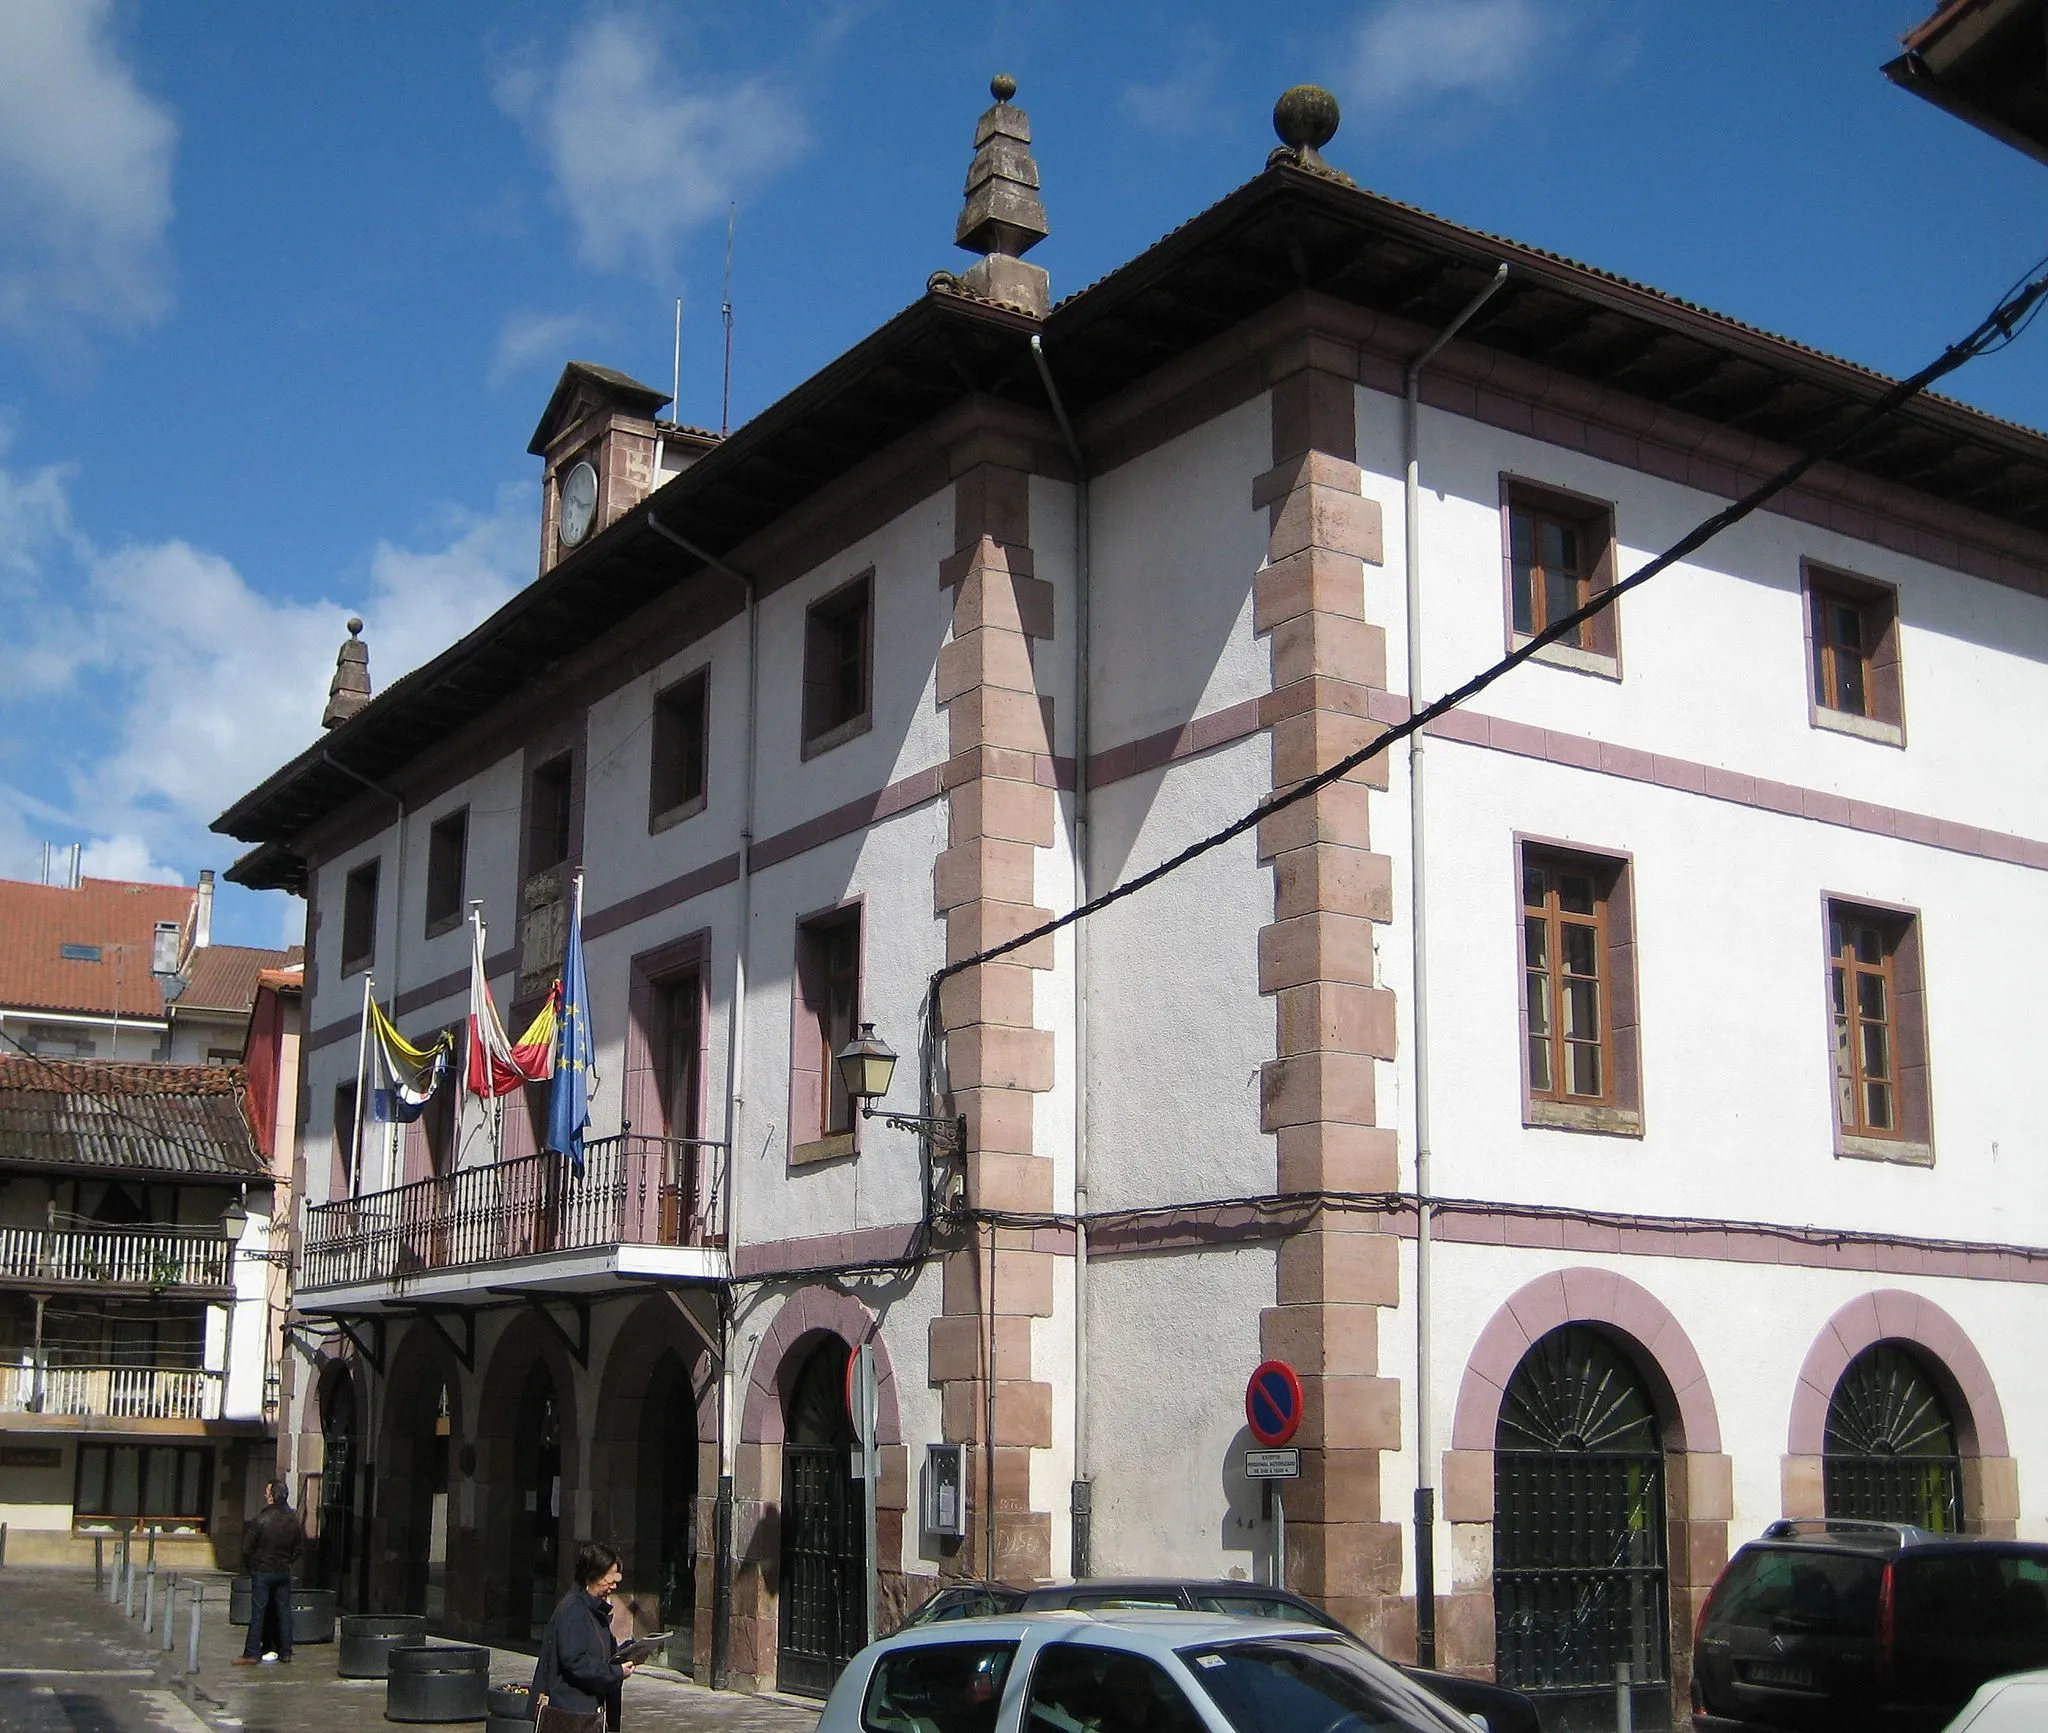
{"x":1184,"y":101}
{"x":641,"y":152}
{"x":85,"y":174}
{"x":1409,"y":52}
{"x":528,"y":338}
{"x":164,"y":685}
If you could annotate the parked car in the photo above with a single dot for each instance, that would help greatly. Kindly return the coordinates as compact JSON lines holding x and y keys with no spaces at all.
{"x":1135,"y":1671}
{"x":2015,"y":1704}
{"x":1862,"y":1625}
{"x":1499,"y":1709}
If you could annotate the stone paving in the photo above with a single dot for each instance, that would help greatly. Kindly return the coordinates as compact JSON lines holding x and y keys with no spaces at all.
{"x":71,"y":1662}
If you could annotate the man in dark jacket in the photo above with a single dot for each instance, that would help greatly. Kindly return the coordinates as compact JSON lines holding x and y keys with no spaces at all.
{"x":271,"y":1545}
{"x":576,"y":1684}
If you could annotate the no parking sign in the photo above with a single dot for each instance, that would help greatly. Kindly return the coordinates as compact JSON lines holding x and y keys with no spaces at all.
{"x":1272,"y":1403}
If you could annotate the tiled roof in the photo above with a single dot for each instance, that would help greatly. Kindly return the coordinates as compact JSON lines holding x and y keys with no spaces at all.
{"x":116,"y":919}
{"x":224,"y":977}
{"x":102,"y":1116}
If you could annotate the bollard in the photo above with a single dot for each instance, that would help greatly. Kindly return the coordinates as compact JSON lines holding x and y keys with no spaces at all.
{"x":1624,"y":1706}
{"x":149,"y":1598}
{"x":192,"y":1647}
{"x":99,"y":1564}
{"x":3,"y":1543}
{"x":128,"y":1587}
{"x":170,"y":1606}
{"x":152,"y":1547}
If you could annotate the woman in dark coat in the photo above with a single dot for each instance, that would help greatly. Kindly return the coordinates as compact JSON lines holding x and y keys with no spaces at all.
{"x":576,"y":1684}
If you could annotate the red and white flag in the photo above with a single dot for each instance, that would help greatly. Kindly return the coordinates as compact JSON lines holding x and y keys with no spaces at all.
{"x":497,"y":1064}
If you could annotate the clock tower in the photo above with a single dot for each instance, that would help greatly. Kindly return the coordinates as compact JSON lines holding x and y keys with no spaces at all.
{"x":604,"y":452}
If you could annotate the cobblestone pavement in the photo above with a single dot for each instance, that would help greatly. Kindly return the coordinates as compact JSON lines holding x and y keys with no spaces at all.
{"x":71,"y":1662}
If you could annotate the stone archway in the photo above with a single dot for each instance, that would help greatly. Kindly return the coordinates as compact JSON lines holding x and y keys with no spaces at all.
{"x":341,"y":1419}
{"x":415,"y":1516}
{"x":1698,"y":1477}
{"x":528,"y":1487}
{"x":1990,"y":1475}
{"x":806,"y":1319}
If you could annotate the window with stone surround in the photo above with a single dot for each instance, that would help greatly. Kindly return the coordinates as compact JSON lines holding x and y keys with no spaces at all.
{"x":1580,"y":1065}
{"x":1559,"y":555}
{"x":1878,"y":1033}
{"x":824,"y":1016}
{"x":344,"y":1123}
{"x":839,"y":665}
{"x":447,"y":861}
{"x":548,"y":802}
{"x":1852,"y":633}
{"x":675,"y":782}
{"x":359,"y":918}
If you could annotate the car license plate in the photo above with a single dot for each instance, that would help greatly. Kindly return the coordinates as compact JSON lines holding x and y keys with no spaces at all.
{"x":1779,"y":1673}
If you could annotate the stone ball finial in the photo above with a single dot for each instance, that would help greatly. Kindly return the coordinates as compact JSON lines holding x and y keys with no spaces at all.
{"x":1002,"y":87}
{"x":355,"y":626}
{"x":1306,"y":117}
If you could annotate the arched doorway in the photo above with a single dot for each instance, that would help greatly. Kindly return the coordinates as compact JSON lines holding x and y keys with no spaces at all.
{"x":417,"y":1497}
{"x":824,"y":1594}
{"x":1889,"y":1453}
{"x":537,"y":1517}
{"x":1579,"y":1562}
{"x":335,"y":1553}
{"x":666,"y":1505}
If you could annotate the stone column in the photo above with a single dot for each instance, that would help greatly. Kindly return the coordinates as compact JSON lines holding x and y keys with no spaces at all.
{"x":1333,"y":1023}
{"x":1000,"y":814}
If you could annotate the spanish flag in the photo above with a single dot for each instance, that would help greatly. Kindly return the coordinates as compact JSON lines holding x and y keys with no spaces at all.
{"x":497,"y":1064}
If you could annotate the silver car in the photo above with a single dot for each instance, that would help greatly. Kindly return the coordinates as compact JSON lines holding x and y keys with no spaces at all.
{"x":1137,"y":1671}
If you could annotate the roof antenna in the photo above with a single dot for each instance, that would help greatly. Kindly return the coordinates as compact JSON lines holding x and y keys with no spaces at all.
{"x":675,"y":390}
{"x":732,"y":212}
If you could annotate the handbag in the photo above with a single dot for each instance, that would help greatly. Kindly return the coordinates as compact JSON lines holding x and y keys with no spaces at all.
{"x":553,"y":1720}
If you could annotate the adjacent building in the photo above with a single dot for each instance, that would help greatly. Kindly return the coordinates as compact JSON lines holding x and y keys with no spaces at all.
{"x":1613,"y":1105}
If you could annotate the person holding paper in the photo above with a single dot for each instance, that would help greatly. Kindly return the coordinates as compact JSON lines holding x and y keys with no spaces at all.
{"x":576,"y":1684}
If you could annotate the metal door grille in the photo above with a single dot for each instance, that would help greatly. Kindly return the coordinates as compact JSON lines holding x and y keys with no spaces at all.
{"x":1579,"y":1577}
{"x":1889,"y":1454}
{"x":823,"y":1593}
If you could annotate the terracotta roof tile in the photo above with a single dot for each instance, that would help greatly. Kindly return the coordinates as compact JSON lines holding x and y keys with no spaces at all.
{"x":224,"y":977}
{"x":116,"y":919}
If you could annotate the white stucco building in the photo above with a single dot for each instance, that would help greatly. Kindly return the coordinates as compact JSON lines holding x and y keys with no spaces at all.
{"x":808,"y":717}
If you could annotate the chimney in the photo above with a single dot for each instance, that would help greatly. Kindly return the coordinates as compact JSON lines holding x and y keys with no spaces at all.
{"x":600,"y":444}
{"x":202,"y":916}
{"x":1004,"y":218}
{"x":350,"y":688}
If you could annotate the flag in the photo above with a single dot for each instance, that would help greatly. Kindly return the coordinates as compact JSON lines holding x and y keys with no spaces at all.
{"x":407,"y":1076}
{"x":497,"y":1064}
{"x":576,"y":1056}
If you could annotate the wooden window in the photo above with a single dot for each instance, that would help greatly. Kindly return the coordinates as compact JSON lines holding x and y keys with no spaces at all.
{"x":1852,"y":628}
{"x":681,"y":1040}
{"x":825,"y":1016}
{"x":838,"y":665}
{"x":547,"y":815}
{"x":1578,"y":992}
{"x":344,"y":1123}
{"x":440,"y":1122}
{"x":447,"y":852}
{"x":675,"y":788}
{"x":1877,"y":1028}
{"x":1560,"y":555}
{"x":359,"y":919}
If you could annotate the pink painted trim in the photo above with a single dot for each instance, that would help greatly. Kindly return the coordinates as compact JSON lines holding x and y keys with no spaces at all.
{"x":1200,"y":734}
{"x":845,"y":820}
{"x":807,"y":1314}
{"x":1894,"y":1315}
{"x":885,"y":1245}
{"x":1662,"y":1351}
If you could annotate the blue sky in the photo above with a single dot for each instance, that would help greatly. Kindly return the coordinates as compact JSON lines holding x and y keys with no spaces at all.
{"x":284,"y":289}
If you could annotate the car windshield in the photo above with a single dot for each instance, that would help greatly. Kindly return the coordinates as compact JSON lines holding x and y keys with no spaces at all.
{"x":1810,"y":1593}
{"x":938,"y":1688}
{"x":978,"y":1602}
{"x":1290,"y":1683}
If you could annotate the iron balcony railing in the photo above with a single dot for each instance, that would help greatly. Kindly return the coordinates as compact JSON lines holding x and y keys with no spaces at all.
{"x":122,"y":1392}
{"x":634,"y":1190}
{"x":154,"y":1258}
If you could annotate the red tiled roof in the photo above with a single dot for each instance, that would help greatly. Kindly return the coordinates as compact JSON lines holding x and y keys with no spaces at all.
{"x":37,"y":921}
{"x":94,"y":1113}
{"x":224,"y":977}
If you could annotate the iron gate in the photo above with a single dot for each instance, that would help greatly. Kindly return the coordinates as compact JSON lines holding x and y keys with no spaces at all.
{"x":1579,"y":1577}
{"x":1889,"y":1454}
{"x":824,"y":1549}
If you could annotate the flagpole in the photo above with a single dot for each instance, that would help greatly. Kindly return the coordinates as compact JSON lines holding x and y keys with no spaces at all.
{"x":355,"y":1130}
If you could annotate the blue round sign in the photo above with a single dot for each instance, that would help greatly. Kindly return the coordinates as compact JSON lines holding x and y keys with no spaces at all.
{"x":1272,"y":1403}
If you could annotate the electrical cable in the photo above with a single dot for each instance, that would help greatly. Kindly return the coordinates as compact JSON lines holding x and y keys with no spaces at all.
{"x":1997,"y":330}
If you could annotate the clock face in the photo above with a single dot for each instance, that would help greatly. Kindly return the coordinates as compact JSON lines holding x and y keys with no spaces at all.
{"x":579,"y":503}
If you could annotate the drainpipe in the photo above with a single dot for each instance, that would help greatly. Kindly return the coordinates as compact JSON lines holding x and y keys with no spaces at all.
{"x":390,"y":1136}
{"x":1081,"y":1501}
{"x":735,"y":1107}
{"x":1425,"y":1471}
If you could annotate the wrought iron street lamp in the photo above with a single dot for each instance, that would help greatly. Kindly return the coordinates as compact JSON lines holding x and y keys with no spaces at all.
{"x":866,"y":1065}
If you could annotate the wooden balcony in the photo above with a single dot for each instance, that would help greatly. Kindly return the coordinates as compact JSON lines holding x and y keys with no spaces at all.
{"x":155,"y":1260}
{"x":112,"y":1392}
{"x":634,"y":1191}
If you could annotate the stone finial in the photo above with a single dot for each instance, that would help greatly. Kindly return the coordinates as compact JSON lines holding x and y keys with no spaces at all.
{"x":1004,"y":218}
{"x":350,"y":689}
{"x":1306,"y":118}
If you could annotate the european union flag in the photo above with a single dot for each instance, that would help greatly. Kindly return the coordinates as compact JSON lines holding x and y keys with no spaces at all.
{"x":576,"y":1053}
